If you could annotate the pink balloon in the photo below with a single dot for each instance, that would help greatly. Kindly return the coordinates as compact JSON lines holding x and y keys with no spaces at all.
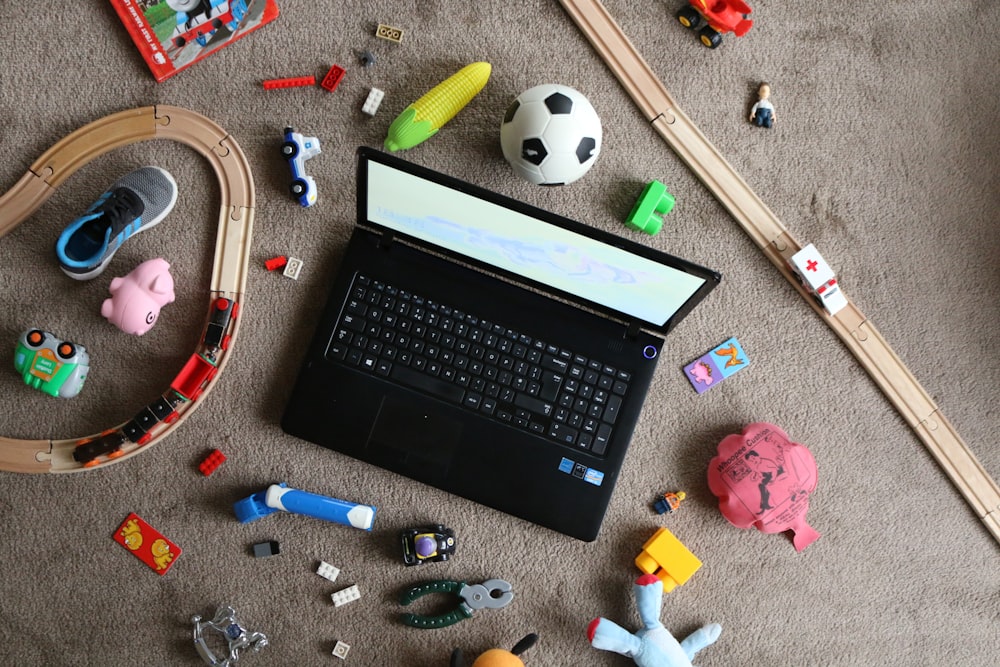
{"x":763,"y":479}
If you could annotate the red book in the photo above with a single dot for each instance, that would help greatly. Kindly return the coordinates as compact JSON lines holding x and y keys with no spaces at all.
{"x":171,"y":40}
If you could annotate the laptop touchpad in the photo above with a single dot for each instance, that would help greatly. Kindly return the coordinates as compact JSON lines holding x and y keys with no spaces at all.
{"x":412,"y":440}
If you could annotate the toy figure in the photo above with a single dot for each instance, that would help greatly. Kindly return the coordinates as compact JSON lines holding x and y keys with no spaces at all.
{"x":498,"y":657}
{"x":653,"y":646}
{"x":762,"y":113}
{"x":136,"y":299}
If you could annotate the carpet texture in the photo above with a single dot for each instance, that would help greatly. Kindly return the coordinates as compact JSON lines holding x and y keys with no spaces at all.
{"x":884,"y":154}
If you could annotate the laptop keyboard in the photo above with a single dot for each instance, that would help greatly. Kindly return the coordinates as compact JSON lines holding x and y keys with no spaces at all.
{"x":534,"y":385}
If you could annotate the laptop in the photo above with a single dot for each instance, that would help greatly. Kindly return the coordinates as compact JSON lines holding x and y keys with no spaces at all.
{"x":486,"y":347}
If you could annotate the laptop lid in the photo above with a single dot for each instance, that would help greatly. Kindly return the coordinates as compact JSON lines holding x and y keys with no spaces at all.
{"x":626,"y":281}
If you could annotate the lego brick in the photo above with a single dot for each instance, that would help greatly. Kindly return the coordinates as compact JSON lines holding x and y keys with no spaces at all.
{"x":349,"y":594}
{"x":388,"y":32}
{"x":214,"y":459}
{"x":276,"y":263}
{"x":266,"y":549}
{"x":327,"y":571}
{"x":666,"y":557}
{"x":290,"y":82}
{"x":293,"y":268}
{"x":374,"y":100}
{"x":341,"y":649}
{"x":333,"y":78}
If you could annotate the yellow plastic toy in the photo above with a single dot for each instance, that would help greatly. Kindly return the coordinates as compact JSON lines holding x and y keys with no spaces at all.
{"x":664,"y":556}
{"x":422,"y":119}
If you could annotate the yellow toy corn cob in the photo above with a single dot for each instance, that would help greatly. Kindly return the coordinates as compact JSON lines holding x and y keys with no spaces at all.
{"x":422,"y":119}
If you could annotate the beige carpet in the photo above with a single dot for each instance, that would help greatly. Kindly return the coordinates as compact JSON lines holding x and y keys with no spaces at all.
{"x":884,"y":155}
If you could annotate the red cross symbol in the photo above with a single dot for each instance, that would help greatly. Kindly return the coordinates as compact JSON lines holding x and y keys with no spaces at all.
{"x":811,"y":265}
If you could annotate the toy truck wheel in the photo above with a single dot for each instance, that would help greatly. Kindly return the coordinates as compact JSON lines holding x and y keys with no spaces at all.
{"x":690,"y":18}
{"x":710,"y":38}
{"x":298,"y":187}
{"x":35,"y":338}
{"x":289,"y":149}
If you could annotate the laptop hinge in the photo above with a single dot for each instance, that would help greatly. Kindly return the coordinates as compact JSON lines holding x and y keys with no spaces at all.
{"x":632,"y":331}
{"x":386,"y":239}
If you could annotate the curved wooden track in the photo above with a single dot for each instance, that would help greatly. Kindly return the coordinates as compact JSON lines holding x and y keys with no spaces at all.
{"x":229,"y":273}
{"x":770,"y":235}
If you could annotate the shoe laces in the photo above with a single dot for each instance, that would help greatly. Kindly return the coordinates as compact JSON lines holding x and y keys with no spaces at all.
{"x":121,"y":207}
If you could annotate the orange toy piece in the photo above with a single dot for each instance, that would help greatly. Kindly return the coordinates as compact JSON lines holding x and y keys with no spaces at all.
{"x":664,"y":556}
{"x":498,"y":657}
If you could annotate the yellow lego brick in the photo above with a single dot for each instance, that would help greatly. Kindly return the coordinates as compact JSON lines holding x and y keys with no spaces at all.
{"x":664,"y":556}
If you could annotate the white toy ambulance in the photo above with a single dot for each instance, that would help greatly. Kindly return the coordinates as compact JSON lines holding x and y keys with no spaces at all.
{"x":818,"y":278}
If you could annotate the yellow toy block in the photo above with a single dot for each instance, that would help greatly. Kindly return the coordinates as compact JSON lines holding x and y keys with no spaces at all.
{"x":663,"y":555}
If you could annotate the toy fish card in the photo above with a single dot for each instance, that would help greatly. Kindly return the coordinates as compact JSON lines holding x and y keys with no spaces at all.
{"x":716,"y":365}
{"x":147,"y":544}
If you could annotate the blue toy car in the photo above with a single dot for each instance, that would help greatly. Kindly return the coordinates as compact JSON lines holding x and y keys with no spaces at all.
{"x":297,"y":149}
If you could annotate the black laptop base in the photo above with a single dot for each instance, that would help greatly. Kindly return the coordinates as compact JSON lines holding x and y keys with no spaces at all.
{"x":371,"y":408}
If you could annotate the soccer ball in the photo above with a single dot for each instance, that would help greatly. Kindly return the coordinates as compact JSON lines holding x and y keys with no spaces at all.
{"x":551,"y":135}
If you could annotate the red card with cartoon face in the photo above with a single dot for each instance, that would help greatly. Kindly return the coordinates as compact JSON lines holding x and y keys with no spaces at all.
{"x":147,"y":544}
{"x":763,"y":479}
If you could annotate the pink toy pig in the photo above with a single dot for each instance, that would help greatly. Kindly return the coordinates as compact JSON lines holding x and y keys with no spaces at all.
{"x":136,"y":299}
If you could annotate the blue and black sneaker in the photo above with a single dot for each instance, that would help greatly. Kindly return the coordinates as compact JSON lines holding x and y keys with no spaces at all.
{"x":134,"y":203}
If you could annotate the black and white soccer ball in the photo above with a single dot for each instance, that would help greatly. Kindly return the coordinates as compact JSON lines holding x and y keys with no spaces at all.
{"x":551,"y":134}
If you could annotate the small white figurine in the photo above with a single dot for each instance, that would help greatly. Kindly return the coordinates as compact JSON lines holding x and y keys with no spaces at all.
{"x":762,"y":113}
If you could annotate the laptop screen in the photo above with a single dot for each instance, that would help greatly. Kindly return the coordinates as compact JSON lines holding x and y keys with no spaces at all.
{"x":464,"y":223}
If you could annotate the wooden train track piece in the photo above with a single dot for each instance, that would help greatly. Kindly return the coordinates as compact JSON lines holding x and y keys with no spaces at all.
{"x":228,"y":282}
{"x":759,"y":222}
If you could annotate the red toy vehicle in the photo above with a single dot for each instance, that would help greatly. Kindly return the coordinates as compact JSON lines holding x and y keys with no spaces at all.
{"x":713,"y":18}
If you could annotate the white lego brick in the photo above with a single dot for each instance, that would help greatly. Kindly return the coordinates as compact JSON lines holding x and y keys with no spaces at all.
{"x":327,"y":571}
{"x":347,"y":595}
{"x":341,"y":649}
{"x":374,"y":100}
{"x":293,"y":268}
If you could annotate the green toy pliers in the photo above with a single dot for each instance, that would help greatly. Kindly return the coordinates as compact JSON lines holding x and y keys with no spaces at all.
{"x":491,"y":594}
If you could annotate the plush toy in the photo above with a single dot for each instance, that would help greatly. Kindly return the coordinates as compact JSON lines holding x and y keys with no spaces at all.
{"x":498,"y":657}
{"x":653,"y":646}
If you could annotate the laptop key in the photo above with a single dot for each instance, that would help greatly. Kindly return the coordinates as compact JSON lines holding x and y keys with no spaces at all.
{"x":563,"y":433}
{"x":433,"y":386}
{"x":601,"y":439}
{"x":611,"y":410}
{"x":533,"y":404}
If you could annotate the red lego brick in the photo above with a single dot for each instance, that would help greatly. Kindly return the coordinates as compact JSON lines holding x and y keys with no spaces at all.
{"x":292,"y":82}
{"x":276,"y":263}
{"x":211,"y":462}
{"x":333,"y":78}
